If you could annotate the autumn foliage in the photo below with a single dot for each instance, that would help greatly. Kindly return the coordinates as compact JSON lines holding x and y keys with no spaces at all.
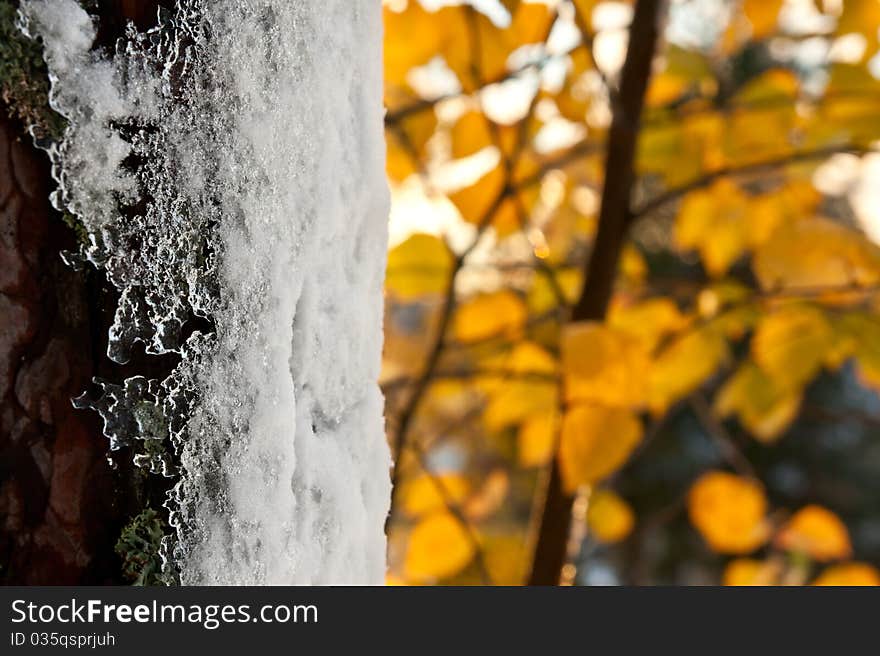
{"x":743,"y":333}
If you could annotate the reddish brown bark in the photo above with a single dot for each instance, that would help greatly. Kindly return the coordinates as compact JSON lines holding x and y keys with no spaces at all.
{"x":61,"y":505}
{"x":614,"y":219}
{"x":56,"y":489}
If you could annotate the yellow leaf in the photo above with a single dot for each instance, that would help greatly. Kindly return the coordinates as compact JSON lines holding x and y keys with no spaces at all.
{"x":816,"y":532}
{"x":729,"y":512}
{"x":665,"y":88}
{"x":860,"y":16}
{"x":748,"y":571}
{"x":438,"y":548}
{"x":609,"y":518}
{"x":470,"y":134}
{"x":816,"y":253}
{"x":402,"y":51}
{"x":648,"y":321}
{"x":530,"y":24}
{"x":489,"y":315}
{"x":714,"y":222}
{"x":479,"y":203}
{"x":529,"y":389}
{"x":763,"y":15}
{"x":506,"y":557}
{"x":773,"y":84}
{"x":849,"y":574}
{"x":421,"y":495}
{"x":603,"y":365}
{"x":790,"y":344}
{"x":761,"y":405}
{"x":536,"y":439}
{"x":685,"y":365}
{"x":596,"y":441}
{"x":419,"y":266}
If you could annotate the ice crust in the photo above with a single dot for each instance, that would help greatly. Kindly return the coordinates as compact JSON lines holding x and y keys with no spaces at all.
{"x":229,"y":164}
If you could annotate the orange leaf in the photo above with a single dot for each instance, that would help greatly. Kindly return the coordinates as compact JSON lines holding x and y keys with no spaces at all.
{"x":603,"y":365}
{"x":849,"y":574}
{"x":489,"y":315}
{"x":816,"y":532}
{"x":729,"y":512}
{"x":609,"y":517}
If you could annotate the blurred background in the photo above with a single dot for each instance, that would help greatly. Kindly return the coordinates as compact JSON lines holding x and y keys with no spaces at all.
{"x":632,"y":330}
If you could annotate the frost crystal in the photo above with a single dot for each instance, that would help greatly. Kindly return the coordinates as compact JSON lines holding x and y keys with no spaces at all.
{"x":229,"y":165}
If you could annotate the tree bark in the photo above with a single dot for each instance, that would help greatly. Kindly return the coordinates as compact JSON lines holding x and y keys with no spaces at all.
{"x":61,"y":504}
{"x":601,"y":270}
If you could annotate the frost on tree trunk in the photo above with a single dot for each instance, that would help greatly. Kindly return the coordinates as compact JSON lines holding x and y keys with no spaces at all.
{"x":228,"y":167}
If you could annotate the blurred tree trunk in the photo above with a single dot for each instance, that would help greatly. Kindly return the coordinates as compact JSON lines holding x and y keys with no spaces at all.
{"x":61,"y":505}
{"x":614,"y":218}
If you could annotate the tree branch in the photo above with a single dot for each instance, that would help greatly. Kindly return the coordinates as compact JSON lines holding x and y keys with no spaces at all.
{"x":614,"y":220}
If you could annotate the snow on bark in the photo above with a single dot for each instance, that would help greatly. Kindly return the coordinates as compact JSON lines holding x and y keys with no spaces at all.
{"x":229,"y":165}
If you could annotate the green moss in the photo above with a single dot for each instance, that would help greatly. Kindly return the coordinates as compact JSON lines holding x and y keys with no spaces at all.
{"x":24,"y":79}
{"x":72,"y":222}
{"x":138,"y":546}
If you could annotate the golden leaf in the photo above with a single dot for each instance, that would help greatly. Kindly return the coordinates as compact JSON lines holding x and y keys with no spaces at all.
{"x":685,"y":365}
{"x":482,"y":203}
{"x":470,"y":134}
{"x":501,"y":313}
{"x":816,"y":253}
{"x":609,"y":518}
{"x":714,"y":222}
{"x":536,"y":438}
{"x":596,"y":441}
{"x":849,"y":574}
{"x":790,"y":344}
{"x":764,"y":408}
{"x":530,"y":24}
{"x":729,"y":512}
{"x":421,"y":495}
{"x":603,"y":365}
{"x":749,"y":571}
{"x":647,"y":321}
{"x":816,"y":532}
{"x":529,"y":389}
{"x":437,"y":549}
{"x":419,"y":266}
{"x":665,"y":88}
{"x":763,"y":15}
{"x":402,"y":51}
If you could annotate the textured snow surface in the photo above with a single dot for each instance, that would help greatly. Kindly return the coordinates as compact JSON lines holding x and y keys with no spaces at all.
{"x":230,"y":165}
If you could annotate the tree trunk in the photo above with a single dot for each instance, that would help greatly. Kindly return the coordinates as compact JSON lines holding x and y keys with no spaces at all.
{"x":62,"y":506}
{"x":232,"y":173}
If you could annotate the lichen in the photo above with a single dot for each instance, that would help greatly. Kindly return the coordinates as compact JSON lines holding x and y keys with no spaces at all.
{"x":24,"y":79}
{"x":139,"y":548}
